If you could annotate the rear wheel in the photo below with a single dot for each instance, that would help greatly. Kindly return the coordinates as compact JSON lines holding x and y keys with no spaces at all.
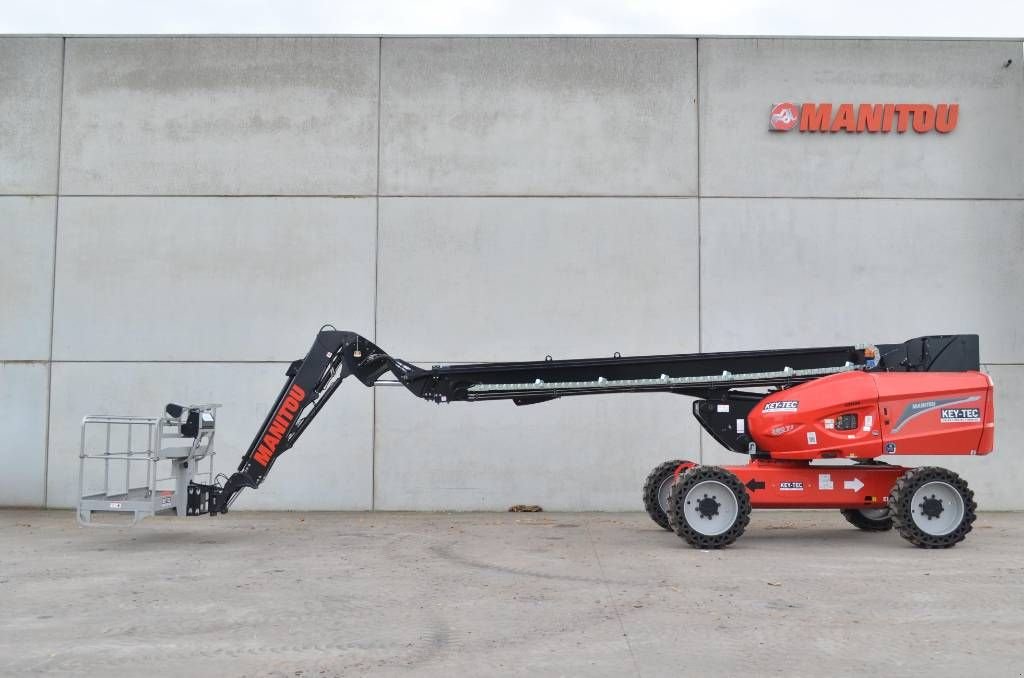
{"x":932,"y":507}
{"x":710,"y":507}
{"x":658,"y":488}
{"x":869,"y":520}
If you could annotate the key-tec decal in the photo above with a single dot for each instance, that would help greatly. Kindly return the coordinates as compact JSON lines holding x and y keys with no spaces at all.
{"x":781,"y":406}
{"x":960,"y":415}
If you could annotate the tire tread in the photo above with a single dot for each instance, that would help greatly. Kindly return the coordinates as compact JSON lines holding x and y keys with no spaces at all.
{"x":650,"y":491}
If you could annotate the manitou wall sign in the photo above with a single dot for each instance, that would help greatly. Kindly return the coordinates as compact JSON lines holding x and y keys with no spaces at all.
{"x":922,"y":118}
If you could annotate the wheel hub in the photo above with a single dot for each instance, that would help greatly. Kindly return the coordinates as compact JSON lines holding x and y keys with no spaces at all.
{"x":708,"y":507}
{"x":664,"y":492}
{"x":931,"y":507}
{"x":937,"y":508}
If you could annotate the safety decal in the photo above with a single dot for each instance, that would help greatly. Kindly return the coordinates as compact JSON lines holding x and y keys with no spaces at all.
{"x":856,"y":485}
{"x":825,"y":481}
{"x":812,"y":438}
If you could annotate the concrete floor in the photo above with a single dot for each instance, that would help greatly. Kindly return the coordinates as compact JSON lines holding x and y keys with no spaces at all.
{"x":325,"y":594}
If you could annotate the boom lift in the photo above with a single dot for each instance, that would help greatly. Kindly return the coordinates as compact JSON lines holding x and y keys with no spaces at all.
{"x":787,"y":410}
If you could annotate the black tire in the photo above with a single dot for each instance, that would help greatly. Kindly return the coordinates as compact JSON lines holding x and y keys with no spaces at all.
{"x":857,"y":518}
{"x":909,"y":519}
{"x":652,"y":487}
{"x":693,"y":531}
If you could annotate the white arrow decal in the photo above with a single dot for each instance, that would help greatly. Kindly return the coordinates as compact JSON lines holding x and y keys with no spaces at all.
{"x":854,"y":484}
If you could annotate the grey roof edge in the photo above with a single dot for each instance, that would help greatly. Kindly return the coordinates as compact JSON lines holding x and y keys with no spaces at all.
{"x":683,"y":36}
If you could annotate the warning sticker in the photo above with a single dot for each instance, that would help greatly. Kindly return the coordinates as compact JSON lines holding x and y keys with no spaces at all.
{"x":812,"y":438}
{"x":825,"y":481}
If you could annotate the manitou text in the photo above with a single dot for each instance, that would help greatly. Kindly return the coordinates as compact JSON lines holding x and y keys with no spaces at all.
{"x":874,"y":118}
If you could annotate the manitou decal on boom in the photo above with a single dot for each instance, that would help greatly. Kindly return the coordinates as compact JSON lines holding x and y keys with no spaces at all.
{"x":783,"y":409}
{"x":278,"y":426}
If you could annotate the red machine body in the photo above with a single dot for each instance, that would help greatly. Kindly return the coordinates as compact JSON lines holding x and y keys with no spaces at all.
{"x":861,"y":416}
{"x":864,"y":415}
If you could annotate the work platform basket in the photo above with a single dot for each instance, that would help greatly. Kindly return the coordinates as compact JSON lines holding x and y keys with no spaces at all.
{"x":144,"y":466}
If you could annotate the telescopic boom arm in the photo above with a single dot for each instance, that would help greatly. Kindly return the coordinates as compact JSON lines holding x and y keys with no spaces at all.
{"x":336,"y":355}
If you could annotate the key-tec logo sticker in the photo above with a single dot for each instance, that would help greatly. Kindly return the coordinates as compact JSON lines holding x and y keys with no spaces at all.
{"x":781,"y":406}
{"x":872,"y":118}
{"x":960,"y":415}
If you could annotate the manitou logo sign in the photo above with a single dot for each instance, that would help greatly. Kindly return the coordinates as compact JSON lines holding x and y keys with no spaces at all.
{"x":922,"y":118}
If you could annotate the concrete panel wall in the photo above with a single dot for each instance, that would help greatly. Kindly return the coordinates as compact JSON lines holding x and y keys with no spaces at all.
{"x":209,"y":116}
{"x":478,"y":279}
{"x":741,"y":79}
{"x":30,"y":82}
{"x":218,"y":199}
{"x":26,"y":277}
{"x":860,"y":271}
{"x":209,"y":278}
{"x":538,"y":116}
{"x":23,"y":399}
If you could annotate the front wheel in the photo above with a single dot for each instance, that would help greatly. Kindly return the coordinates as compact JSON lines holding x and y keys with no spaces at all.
{"x":932,"y":507}
{"x":710,"y":506}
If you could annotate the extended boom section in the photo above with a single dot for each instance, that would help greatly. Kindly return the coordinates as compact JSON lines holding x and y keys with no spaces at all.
{"x":719,"y":378}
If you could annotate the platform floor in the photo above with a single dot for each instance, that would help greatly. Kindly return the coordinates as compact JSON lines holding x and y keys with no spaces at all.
{"x":393,"y":594}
